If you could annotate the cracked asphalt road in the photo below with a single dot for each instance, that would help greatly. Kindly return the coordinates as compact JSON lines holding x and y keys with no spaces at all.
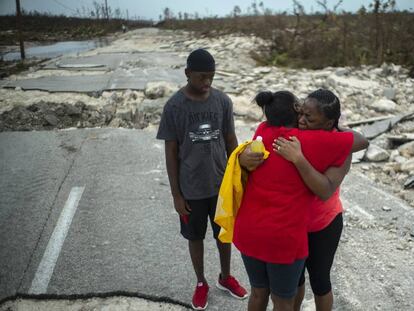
{"x":124,"y":236}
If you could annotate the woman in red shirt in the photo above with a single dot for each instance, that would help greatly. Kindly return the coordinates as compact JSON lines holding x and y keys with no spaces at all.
{"x":271,"y":225}
{"x":321,"y":110}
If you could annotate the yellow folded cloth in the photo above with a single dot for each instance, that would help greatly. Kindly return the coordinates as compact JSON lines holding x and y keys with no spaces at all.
{"x":231,"y":194}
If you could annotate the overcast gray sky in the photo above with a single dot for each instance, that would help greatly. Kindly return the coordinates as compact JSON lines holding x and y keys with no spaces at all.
{"x":153,"y":8}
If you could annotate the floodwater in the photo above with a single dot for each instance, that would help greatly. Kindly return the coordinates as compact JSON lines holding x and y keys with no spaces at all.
{"x":57,"y":49}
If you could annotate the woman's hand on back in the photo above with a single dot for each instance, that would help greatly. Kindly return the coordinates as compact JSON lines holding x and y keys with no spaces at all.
{"x":289,"y":149}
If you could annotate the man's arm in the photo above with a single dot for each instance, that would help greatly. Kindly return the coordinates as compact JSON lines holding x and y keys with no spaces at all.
{"x":323,"y":185}
{"x":231,"y":143}
{"x":171,"y":159}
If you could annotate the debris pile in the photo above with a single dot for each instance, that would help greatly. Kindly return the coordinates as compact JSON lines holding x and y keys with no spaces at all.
{"x":378,"y":101}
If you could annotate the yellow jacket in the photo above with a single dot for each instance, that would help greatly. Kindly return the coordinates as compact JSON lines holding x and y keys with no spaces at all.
{"x":231,"y":194}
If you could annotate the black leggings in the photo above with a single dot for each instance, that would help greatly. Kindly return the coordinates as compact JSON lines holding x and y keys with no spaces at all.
{"x":322,"y":248}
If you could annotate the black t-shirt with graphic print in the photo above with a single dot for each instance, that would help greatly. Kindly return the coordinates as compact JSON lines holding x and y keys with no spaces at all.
{"x":199,"y":128}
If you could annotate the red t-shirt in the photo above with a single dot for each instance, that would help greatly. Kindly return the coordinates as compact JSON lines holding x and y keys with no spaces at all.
{"x":271,"y":224}
{"x":321,"y":213}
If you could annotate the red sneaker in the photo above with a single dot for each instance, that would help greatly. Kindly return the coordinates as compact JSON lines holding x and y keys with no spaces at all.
{"x":231,"y":285}
{"x":200,"y":296}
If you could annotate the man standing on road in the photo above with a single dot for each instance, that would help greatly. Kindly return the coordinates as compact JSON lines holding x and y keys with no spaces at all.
{"x":198,"y":128}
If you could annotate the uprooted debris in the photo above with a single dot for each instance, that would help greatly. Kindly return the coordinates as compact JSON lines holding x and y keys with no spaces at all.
{"x":374,"y":100}
{"x":384,"y":125}
{"x":51,"y":115}
{"x":390,"y":157}
{"x":401,"y":138}
{"x":409,"y":183}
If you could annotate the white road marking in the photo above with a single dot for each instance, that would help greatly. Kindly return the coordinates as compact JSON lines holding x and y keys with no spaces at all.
{"x":159,"y":146}
{"x":47,"y":264}
{"x":150,"y":172}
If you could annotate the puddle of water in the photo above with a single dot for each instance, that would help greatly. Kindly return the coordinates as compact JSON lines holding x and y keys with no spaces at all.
{"x":57,"y":49}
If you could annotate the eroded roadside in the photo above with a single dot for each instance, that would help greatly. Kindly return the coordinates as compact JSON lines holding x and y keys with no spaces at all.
{"x":120,"y":303}
{"x":376,"y":254}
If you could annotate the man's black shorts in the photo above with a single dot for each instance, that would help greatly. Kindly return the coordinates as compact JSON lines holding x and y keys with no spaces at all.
{"x":195,"y":227}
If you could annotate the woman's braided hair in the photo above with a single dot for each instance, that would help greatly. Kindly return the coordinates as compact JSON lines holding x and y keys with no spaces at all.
{"x":328,"y":104}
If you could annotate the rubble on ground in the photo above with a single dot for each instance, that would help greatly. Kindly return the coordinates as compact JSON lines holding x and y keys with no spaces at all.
{"x":379,"y":101}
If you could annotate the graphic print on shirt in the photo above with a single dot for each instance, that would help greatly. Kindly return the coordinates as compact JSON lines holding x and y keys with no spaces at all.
{"x":204,"y":134}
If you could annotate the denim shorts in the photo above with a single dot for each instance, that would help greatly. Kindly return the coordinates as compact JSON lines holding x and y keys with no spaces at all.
{"x":281,"y":279}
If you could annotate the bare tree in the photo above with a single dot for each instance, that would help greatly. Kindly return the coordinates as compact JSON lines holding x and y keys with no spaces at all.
{"x":379,"y":8}
{"x":268,"y":11}
{"x":105,"y":9}
{"x":324,"y":5}
{"x":98,"y":12}
{"x":254,"y":8}
{"x":167,"y":13}
{"x":108,"y":12}
{"x":236,"y":11}
{"x":117,"y":13}
{"x":298,"y":8}
{"x":362,"y":10}
{"x":261,"y":6}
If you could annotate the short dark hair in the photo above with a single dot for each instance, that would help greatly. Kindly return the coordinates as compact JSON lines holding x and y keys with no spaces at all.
{"x":328,"y":104}
{"x":278,"y":107}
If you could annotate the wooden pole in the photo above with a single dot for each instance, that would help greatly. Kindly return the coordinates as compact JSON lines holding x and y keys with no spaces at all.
{"x":106,"y":9}
{"x":19,"y":29}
